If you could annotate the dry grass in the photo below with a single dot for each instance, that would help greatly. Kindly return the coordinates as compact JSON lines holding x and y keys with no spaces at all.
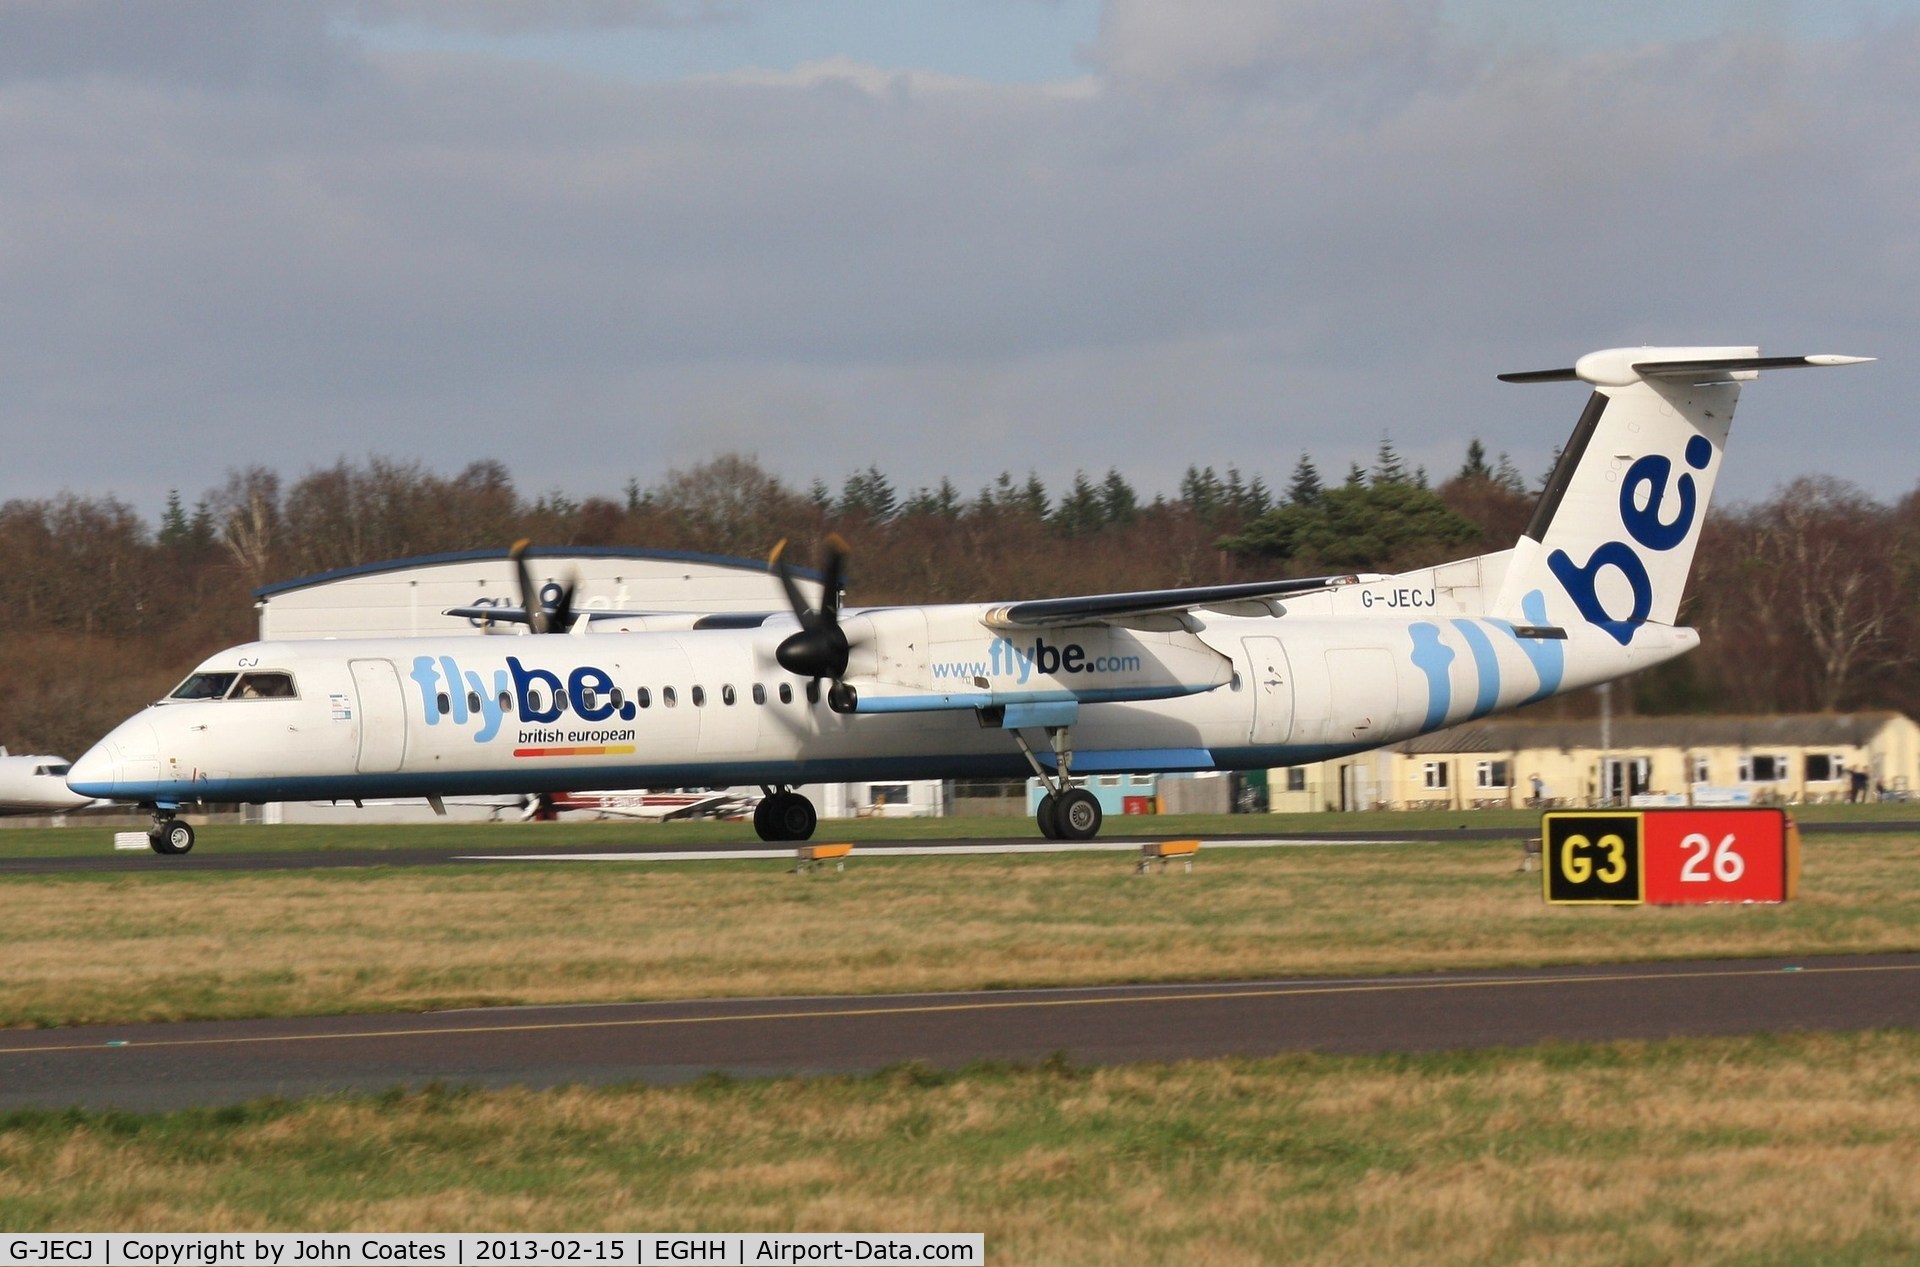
{"x":161,"y":947}
{"x":1761,"y":1150}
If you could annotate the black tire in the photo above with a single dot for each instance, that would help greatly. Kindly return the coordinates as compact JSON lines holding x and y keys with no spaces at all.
{"x":172,"y":838}
{"x":763,"y":817}
{"x":1077,"y":815}
{"x":1043,"y":815}
{"x":794,"y":818}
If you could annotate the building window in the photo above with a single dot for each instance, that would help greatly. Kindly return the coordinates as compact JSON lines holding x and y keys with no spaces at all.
{"x":1491,"y":774}
{"x":1433,"y":774}
{"x":1826,"y":767}
{"x":1763,"y":768}
{"x":1296,"y":778}
{"x":1702,"y":770}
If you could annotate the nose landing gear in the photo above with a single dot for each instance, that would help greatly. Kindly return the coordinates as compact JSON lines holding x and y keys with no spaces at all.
{"x":169,"y":835}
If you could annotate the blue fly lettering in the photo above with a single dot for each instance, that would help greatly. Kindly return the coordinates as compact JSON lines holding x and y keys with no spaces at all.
{"x":587,"y":690}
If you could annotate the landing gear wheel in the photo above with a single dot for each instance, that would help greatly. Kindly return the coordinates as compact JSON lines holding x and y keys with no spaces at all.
{"x":1076,"y":815}
{"x":1044,"y":815}
{"x":171,"y":837}
{"x":785,"y":816}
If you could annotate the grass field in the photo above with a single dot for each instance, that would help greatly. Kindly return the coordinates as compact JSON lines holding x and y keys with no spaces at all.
{"x":1800,"y":1148}
{"x":1803,"y":1149}
{"x":159,"y":945}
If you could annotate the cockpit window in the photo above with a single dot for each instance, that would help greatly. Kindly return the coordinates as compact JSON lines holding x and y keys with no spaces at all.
{"x":204,"y":686}
{"x":236,"y":686}
{"x":62,"y":768}
{"x":264,"y":686}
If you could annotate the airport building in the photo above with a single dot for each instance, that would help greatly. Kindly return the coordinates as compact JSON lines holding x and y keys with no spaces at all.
{"x":1800,"y":758}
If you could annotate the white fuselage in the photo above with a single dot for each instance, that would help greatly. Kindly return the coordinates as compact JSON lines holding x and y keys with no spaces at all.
{"x":938,"y":689}
{"x":37,"y":785}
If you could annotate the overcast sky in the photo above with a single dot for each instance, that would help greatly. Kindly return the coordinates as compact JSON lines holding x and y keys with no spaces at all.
{"x":599,"y":239}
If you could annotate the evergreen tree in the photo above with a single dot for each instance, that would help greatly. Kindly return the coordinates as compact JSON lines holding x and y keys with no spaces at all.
{"x":1387,"y":466}
{"x":1118,"y":503}
{"x":1475,"y":467}
{"x":1304,"y":488}
{"x":868,"y":495}
{"x":1079,"y":512}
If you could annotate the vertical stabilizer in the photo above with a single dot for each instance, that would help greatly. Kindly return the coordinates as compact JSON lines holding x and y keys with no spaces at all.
{"x":1612,"y":539}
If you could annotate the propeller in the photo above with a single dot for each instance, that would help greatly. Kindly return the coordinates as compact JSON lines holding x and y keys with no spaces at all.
{"x":820,"y":649}
{"x":541,"y":618}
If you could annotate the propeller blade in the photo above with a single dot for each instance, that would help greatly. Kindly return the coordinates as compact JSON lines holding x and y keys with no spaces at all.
{"x":529,"y":597}
{"x":820,"y":649}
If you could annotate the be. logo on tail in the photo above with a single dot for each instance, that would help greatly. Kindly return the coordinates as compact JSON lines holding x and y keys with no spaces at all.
{"x":1647,"y":480}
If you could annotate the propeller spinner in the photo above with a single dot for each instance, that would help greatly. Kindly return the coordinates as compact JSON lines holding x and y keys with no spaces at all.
{"x":820,"y":649}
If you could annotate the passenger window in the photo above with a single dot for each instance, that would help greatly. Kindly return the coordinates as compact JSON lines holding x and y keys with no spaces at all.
{"x":643,"y":697}
{"x":813,"y":691}
{"x":506,"y":704}
{"x":534,"y":699}
{"x":759,"y":693}
{"x":589,"y":698}
{"x":786,"y":692}
{"x":445,"y":704}
{"x":699,"y":697}
{"x":615,"y":698}
{"x":473,"y":701}
{"x":559,"y":701}
{"x":667,"y":697}
{"x":727,"y":696}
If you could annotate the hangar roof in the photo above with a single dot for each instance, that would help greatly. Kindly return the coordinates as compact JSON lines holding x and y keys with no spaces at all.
{"x":1788,"y":730}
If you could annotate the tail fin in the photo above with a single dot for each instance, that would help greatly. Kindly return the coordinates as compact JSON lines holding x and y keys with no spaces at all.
{"x":1612,"y":539}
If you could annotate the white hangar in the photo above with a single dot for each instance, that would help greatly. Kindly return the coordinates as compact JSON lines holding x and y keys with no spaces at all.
{"x":408,"y":597}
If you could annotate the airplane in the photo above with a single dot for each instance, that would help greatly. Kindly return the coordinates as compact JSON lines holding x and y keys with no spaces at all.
{"x":36,"y":785}
{"x":1242,"y":676}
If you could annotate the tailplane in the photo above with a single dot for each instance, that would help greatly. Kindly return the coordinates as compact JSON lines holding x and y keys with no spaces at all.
{"x":1613,"y":536}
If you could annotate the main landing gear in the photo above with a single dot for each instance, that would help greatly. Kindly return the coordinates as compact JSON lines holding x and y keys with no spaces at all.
{"x":1066,"y":812}
{"x":169,"y":835}
{"x":784,"y":814}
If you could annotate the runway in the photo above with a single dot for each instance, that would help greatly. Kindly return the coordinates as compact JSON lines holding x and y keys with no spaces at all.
{"x":144,"y":1067}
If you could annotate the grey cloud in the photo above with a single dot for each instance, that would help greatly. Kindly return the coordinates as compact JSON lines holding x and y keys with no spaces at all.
{"x":446,"y":258}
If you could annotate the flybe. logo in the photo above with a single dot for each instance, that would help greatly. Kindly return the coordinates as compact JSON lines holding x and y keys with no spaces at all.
{"x":1643,"y":504}
{"x":1021,"y":663}
{"x":536,"y":695}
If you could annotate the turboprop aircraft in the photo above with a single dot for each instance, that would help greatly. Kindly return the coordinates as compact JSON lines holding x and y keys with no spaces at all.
{"x":1214,"y":677}
{"x":36,"y":785}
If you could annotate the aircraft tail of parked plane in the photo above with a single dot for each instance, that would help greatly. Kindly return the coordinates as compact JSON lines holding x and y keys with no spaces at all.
{"x":1245,"y":676}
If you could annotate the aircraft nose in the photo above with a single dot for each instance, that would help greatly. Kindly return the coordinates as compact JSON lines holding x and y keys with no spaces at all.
{"x":130,"y":754}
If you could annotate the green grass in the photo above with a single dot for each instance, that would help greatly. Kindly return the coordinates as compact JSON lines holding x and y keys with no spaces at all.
{"x":168,"y":943}
{"x":1760,"y":1150}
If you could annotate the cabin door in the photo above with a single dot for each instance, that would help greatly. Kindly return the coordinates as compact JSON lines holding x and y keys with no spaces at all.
{"x":383,"y":716}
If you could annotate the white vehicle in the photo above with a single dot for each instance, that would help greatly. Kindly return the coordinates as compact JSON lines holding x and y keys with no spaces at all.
{"x":1219,"y":677}
{"x":36,"y":785}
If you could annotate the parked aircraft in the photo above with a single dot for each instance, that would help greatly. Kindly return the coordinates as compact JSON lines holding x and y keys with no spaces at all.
{"x":1213,"y":677}
{"x":36,"y":785}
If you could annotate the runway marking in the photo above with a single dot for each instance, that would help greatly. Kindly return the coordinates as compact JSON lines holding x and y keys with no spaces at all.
{"x":907,"y":851}
{"x":988,"y":1005}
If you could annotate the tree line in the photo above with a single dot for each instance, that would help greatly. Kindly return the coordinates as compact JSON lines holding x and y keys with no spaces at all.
{"x":1805,"y":601}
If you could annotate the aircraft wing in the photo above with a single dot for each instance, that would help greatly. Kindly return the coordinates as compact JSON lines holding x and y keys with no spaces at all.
{"x":1249,"y":598}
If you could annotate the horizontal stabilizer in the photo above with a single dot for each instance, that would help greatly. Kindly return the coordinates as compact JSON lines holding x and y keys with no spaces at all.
{"x":1620,"y":366}
{"x":1099,"y":607}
